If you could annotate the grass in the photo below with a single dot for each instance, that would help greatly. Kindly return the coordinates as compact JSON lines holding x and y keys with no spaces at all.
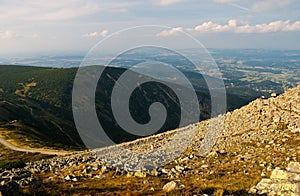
{"x":230,"y":173}
{"x":218,"y":183}
{"x":111,"y":184}
{"x":26,"y":137}
{"x":12,"y":159}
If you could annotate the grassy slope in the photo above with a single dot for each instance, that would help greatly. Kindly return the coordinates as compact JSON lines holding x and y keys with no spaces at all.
{"x":12,"y":159}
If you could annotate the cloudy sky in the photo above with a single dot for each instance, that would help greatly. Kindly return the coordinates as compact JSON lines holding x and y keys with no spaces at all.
{"x":74,"y":26}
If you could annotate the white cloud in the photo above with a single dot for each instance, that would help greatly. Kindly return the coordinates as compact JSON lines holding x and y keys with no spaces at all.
{"x":174,"y":31}
{"x":93,"y":34}
{"x":103,"y":33}
{"x":275,"y":26}
{"x":167,"y":2}
{"x":7,"y":34}
{"x":235,"y":27}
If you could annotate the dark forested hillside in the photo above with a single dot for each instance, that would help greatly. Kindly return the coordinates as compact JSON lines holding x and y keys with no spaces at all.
{"x":40,"y":100}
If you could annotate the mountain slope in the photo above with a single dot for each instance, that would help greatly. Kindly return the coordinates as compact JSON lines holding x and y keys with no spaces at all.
{"x":254,"y":140}
{"x":39,"y":99}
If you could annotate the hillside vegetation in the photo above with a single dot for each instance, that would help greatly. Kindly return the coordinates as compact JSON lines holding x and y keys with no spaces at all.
{"x":254,"y":140}
{"x":36,"y":103}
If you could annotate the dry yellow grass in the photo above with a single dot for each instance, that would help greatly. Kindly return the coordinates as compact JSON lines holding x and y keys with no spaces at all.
{"x":25,"y":88}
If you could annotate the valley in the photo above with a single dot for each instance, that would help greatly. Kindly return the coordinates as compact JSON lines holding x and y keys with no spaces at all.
{"x":42,"y":112}
{"x":153,"y":97}
{"x":255,"y":140}
{"x":40,"y":141}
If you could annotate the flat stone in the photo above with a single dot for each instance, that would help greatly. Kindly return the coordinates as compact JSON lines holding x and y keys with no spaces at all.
{"x":170,"y":186}
{"x":279,"y":174}
{"x":265,"y":182}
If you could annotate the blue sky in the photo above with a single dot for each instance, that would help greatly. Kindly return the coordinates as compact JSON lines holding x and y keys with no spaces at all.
{"x":72,"y":26}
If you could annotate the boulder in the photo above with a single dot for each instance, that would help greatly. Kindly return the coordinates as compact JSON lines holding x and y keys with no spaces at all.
{"x":170,"y":186}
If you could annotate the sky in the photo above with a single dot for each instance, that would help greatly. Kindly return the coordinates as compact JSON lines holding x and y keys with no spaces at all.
{"x":74,"y":26}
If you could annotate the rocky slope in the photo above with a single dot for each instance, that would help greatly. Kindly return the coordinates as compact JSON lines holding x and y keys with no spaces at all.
{"x":254,"y":140}
{"x":281,"y":182}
